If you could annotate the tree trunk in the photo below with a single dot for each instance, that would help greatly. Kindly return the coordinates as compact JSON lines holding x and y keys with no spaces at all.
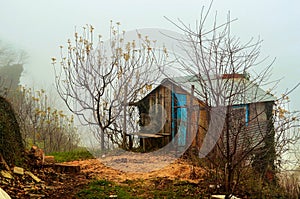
{"x":124,"y":119}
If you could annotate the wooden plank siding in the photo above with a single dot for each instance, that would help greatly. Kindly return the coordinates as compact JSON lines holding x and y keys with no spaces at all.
{"x":196,"y":121}
{"x":253,"y":131}
{"x":246,"y":138}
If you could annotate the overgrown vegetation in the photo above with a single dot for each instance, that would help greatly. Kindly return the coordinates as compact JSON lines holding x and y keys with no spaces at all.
{"x":37,"y":118}
{"x":41,"y":123}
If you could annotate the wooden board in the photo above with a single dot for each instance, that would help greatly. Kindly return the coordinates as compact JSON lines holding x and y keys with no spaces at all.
{"x":63,"y":168}
{"x":146,"y":135}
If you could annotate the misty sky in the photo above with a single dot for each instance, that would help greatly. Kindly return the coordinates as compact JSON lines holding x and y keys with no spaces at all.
{"x":40,"y":26}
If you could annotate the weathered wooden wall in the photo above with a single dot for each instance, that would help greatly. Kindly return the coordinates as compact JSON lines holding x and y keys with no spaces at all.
{"x":250,"y":133}
{"x":196,"y":121}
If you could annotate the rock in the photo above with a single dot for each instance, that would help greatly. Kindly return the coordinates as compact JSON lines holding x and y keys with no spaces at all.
{"x":218,"y":196}
{"x":3,"y":194}
{"x":6,"y":174}
{"x":11,"y":142}
{"x":19,"y":170}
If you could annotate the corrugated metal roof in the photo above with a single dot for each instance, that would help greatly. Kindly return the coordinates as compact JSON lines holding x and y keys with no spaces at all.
{"x":224,"y":90}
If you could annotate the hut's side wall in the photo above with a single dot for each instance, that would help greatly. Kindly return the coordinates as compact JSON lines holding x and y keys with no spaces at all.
{"x":249,"y":137}
{"x":257,"y":112}
{"x":201,"y":128}
{"x":197,"y":121}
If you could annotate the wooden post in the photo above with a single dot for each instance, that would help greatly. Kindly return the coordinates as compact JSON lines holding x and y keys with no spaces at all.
{"x":189,"y":115}
{"x":144,"y":144}
{"x":124,"y":118}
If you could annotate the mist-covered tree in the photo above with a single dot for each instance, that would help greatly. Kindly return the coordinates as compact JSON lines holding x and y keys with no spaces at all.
{"x":10,"y":56}
{"x":11,"y":67}
{"x":97,"y":80}
{"x":10,"y":75}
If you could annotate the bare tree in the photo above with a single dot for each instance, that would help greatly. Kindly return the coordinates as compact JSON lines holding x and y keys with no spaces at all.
{"x":98,"y":81}
{"x":222,"y":69}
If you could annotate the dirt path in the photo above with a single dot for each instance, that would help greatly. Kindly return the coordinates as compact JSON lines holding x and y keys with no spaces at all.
{"x":179,"y":169}
{"x":66,"y":185}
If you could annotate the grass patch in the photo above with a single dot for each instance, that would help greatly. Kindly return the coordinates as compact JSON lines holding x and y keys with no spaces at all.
{"x":104,"y":189}
{"x":78,"y":154}
{"x":157,"y":188}
{"x":140,"y":189}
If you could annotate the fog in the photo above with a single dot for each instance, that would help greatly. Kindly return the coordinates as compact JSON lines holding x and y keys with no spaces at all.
{"x":40,"y":27}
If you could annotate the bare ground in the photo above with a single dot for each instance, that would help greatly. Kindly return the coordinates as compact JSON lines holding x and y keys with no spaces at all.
{"x":66,"y":185}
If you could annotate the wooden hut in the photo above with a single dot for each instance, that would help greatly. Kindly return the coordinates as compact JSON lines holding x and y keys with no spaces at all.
{"x":176,"y":109}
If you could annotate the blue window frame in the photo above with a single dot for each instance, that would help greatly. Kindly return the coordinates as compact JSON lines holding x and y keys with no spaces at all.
{"x":247,"y":112}
{"x":179,"y":117}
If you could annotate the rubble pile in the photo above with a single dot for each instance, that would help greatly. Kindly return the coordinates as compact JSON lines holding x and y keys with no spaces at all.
{"x":44,"y":183}
{"x":42,"y":180}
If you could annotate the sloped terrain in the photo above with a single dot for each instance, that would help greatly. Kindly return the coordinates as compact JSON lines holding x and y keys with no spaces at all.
{"x":67,"y":185}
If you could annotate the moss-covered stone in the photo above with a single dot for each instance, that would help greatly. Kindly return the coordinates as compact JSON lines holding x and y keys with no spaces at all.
{"x":11,"y":144}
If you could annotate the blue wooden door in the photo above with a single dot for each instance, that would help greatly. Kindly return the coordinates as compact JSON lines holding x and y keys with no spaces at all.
{"x":179,"y":117}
